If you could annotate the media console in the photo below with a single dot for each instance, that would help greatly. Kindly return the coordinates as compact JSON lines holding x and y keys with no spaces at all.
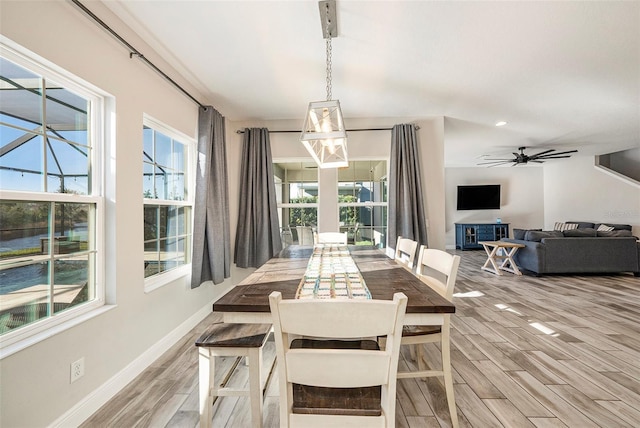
{"x":468,"y":235}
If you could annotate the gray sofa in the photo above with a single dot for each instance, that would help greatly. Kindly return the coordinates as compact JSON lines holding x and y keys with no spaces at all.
{"x":583,"y":250}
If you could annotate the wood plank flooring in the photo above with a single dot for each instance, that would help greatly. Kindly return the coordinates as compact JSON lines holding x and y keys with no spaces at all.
{"x":551,"y":351}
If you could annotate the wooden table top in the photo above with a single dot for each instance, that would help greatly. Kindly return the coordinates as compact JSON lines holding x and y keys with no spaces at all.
{"x":383,"y":277}
{"x":501,"y":244}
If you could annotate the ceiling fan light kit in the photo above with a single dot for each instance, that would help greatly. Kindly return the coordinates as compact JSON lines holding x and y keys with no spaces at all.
{"x":324,"y":134}
{"x":522,"y":158}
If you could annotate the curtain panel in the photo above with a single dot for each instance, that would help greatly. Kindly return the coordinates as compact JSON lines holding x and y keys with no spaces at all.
{"x":211,"y":259}
{"x":406,"y":212}
{"x":258,"y":234}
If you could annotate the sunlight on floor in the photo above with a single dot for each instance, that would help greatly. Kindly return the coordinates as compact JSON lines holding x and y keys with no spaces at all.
{"x":542,"y":328}
{"x":507,"y":308}
{"x":469,"y":294}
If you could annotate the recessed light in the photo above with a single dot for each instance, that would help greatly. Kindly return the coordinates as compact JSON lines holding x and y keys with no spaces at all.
{"x":501,"y":123}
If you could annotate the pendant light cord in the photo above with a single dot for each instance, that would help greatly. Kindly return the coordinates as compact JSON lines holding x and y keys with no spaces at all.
{"x":328,"y":46}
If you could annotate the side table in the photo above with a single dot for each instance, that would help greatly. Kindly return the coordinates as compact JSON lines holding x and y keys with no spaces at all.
{"x":500,"y":250}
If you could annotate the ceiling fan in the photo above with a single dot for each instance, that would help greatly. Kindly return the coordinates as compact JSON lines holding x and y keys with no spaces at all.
{"x":522,"y":158}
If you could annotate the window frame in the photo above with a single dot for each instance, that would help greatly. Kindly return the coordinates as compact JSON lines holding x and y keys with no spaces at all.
{"x":368,"y":204}
{"x":161,"y":279}
{"x":97,"y":118}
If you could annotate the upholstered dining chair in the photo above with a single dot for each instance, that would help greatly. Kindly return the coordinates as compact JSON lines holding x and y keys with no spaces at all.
{"x":440,"y":263}
{"x":336,"y":381}
{"x":331,"y":238}
{"x":406,"y":252}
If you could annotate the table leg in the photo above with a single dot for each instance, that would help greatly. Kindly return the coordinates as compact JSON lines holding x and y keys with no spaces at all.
{"x":509,"y":264}
{"x":491,"y":253}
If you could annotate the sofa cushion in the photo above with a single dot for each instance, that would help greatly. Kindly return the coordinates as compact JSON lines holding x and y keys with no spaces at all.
{"x":560,"y":226}
{"x":580,"y":233}
{"x":614,"y":233}
{"x":538,"y":235}
{"x":520,"y":233}
{"x":615,"y":226}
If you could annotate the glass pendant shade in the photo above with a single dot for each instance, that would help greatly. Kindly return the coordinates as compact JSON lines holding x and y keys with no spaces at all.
{"x":324,"y":134}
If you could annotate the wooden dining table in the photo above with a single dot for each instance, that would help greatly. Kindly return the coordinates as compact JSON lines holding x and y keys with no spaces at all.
{"x":248,"y":302}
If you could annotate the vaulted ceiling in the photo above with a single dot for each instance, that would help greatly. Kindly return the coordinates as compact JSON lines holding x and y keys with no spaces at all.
{"x":563,"y":75}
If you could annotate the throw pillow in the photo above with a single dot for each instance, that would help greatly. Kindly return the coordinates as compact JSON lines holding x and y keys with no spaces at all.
{"x":561,"y":227}
{"x":580,"y":233}
{"x":605,"y":228}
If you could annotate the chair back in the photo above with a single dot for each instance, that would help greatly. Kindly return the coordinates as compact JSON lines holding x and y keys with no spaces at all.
{"x":337,"y":368}
{"x":406,"y":252}
{"x":439,"y":261}
{"x":331,"y":238}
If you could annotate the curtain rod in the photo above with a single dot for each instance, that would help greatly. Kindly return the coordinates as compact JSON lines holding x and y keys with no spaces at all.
{"x":240,"y":131}
{"x":135,"y":52}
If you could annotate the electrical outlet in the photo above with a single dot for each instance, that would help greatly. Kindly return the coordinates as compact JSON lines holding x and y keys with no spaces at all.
{"x":77,"y":369}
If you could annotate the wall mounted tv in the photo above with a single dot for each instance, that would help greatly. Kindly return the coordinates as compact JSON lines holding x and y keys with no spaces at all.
{"x":482,"y":197}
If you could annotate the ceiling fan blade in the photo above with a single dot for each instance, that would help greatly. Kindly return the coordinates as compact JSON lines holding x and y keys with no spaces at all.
{"x":536,"y":161}
{"x":496,"y":161}
{"x":554,"y":157}
{"x":560,"y":153}
{"x":499,"y":160}
{"x":542,"y":153}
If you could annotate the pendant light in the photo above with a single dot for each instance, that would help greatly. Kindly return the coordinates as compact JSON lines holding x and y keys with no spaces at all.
{"x":323,"y":133}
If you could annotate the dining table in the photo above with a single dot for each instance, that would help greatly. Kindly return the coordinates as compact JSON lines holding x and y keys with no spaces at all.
{"x":248,"y":301}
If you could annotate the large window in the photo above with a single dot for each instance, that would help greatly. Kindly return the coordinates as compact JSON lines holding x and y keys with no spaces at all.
{"x":50,"y":196}
{"x":297,"y":197}
{"x":167,"y":199}
{"x":362,"y":202}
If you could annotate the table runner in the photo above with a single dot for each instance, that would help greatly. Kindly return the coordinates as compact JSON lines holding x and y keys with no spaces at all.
{"x":332,"y":274}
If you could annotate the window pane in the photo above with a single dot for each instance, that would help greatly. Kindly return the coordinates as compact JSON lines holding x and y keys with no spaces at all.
{"x":151,"y":259}
{"x":24,"y":293}
{"x":24,"y":100}
{"x":150,"y":222}
{"x":163,"y":150}
{"x":147,"y":144}
{"x":24,"y":229}
{"x":71,"y":229}
{"x":71,"y":283}
{"x":175,"y":186}
{"x":66,"y":112}
{"x":178,"y":163}
{"x":303,"y":216}
{"x":69,"y":165}
{"x":148,"y":181}
{"x":21,"y":167}
{"x":160,"y":183}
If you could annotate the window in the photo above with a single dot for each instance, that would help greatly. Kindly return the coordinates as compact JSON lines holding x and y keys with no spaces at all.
{"x":51,"y":204}
{"x":297,"y":197}
{"x":362,"y":202}
{"x":167,"y":201}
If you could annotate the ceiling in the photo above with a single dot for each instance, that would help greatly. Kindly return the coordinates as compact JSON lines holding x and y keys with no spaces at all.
{"x":564,"y":74}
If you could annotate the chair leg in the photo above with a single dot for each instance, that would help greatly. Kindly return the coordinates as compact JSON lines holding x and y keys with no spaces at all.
{"x":255,"y":386}
{"x":448,"y":377}
{"x":206,"y":362}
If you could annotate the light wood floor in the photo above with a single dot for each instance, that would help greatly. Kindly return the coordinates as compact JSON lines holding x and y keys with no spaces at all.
{"x":553,"y":351}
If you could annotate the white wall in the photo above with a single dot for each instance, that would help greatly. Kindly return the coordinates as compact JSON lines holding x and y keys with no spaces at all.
{"x":522,"y":197}
{"x":575,"y":190}
{"x":364,"y":145}
{"x":35,"y":381}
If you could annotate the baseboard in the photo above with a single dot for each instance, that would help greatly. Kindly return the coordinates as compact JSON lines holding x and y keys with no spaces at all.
{"x":91,"y":403}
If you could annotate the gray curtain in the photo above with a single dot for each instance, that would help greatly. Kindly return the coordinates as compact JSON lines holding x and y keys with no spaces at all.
{"x":211,"y":259}
{"x":258,"y":235}
{"x":406,"y":216}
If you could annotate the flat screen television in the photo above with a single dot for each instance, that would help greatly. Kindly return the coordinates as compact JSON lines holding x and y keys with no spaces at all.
{"x":481,"y":197}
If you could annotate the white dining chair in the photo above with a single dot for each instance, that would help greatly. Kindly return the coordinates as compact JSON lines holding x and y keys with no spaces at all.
{"x":331,"y":238}
{"x":434,"y":262}
{"x":337,"y":382}
{"x":406,"y":252}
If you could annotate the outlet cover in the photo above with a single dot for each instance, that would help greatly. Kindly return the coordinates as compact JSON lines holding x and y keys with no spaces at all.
{"x":77,"y":369}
